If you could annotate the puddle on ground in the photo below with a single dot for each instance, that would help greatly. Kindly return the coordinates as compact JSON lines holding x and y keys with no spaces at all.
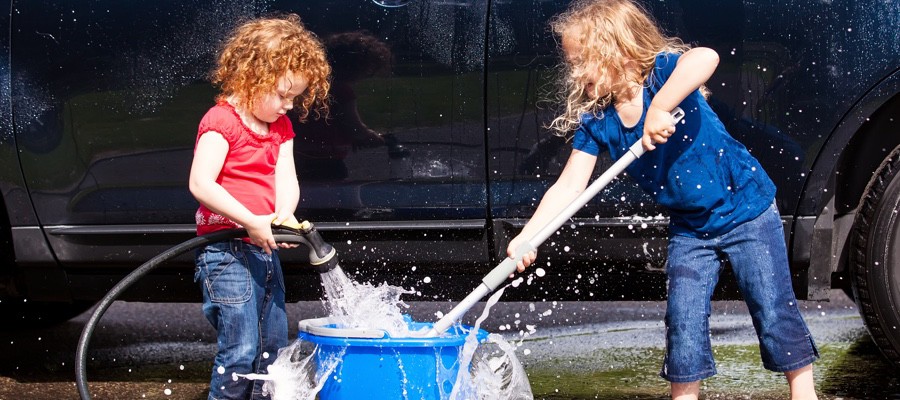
{"x":846,"y":371}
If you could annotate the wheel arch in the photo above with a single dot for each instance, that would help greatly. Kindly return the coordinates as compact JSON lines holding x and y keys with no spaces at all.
{"x":838,"y":180}
{"x":863,"y":156}
{"x":865,"y":153}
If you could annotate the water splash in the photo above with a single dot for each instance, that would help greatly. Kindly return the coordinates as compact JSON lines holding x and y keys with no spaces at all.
{"x":496,"y":373}
{"x":293,"y":375}
{"x":363,"y":305}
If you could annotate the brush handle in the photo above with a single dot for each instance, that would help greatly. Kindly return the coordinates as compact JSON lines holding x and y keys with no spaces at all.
{"x":634,"y":152}
{"x":499,"y":274}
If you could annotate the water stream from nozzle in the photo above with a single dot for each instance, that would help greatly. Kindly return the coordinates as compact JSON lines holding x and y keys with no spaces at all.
{"x":362,"y":305}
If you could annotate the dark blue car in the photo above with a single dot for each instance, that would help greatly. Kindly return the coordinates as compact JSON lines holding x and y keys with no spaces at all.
{"x":437,"y":151}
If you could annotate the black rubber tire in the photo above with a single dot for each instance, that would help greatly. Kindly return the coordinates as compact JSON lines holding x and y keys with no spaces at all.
{"x":875,"y":258}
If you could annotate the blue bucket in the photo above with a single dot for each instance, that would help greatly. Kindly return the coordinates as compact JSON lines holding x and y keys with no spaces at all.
{"x":390,"y":368}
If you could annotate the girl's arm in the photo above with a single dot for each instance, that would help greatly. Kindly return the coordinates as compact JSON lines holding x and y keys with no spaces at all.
{"x":287,"y":188}
{"x":693,"y":69}
{"x":571,"y":182}
{"x":209,"y":157}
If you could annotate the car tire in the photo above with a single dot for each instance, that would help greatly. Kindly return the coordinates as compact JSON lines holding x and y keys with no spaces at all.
{"x":875,"y":258}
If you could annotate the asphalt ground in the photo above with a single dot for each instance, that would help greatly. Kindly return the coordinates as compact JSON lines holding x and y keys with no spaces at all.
{"x":570,"y":350}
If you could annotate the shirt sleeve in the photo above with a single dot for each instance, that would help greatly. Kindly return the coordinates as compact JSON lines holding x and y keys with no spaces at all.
{"x":285,"y":128}
{"x":584,"y":140}
{"x":662,"y":69}
{"x":220,"y":120}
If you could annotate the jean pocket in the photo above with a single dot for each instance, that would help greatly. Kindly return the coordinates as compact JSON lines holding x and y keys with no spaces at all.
{"x":227,"y":278}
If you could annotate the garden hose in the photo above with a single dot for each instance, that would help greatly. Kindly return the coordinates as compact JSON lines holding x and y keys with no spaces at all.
{"x":321,"y":256}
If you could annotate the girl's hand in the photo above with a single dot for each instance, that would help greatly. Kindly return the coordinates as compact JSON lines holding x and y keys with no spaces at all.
{"x":659,"y":126}
{"x":259,"y":229}
{"x":285,"y":218}
{"x":288,"y":219}
{"x":526,"y":260}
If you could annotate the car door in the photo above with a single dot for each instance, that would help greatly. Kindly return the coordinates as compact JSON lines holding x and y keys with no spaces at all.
{"x":403,"y":149}
{"x":108,"y":94}
{"x":621,"y":225}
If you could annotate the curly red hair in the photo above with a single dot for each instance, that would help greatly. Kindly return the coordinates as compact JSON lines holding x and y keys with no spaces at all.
{"x":262,"y":50}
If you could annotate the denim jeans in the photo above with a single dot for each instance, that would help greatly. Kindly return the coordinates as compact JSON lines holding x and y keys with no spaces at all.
{"x":243,"y":298}
{"x":758,"y":256}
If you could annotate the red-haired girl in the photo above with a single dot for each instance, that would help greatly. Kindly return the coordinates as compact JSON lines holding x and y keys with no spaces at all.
{"x":243,"y":175}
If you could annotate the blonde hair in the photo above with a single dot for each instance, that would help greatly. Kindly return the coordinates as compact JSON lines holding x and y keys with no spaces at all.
{"x":610,"y":33}
{"x":260,"y":51}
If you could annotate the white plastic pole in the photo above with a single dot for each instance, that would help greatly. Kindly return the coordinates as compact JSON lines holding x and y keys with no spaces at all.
{"x":499,"y":274}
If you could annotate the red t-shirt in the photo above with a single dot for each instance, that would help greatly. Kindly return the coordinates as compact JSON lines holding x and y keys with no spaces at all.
{"x":248,"y":173}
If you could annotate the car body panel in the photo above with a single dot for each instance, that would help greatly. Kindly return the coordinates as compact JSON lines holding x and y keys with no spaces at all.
{"x":108,"y":119}
{"x":101,"y":112}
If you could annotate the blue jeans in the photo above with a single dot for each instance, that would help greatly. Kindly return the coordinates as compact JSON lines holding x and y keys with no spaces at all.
{"x":243,"y":298}
{"x":757,"y":253}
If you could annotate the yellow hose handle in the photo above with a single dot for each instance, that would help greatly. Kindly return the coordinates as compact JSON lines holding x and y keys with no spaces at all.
{"x":300,"y":227}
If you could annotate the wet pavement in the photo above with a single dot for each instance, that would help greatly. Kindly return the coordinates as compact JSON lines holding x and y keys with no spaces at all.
{"x":571,"y":350}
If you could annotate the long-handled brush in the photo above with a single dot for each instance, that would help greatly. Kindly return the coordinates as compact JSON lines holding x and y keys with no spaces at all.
{"x":502,"y":271}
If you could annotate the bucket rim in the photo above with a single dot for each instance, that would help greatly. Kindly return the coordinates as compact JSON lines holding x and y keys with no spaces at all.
{"x":320,"y":327}
{"x":317,"y":331}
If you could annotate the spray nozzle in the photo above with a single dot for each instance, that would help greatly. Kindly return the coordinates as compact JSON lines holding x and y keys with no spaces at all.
{"x":321,"y":254}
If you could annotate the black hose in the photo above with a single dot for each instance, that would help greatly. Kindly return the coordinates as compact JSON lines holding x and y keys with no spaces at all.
{"x":292,"y":236}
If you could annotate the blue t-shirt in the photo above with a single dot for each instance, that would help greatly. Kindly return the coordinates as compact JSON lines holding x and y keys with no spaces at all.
{"x":708,"y":181}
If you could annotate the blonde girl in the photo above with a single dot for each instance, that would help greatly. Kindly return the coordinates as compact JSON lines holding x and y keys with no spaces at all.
{"x":623,"y":78}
